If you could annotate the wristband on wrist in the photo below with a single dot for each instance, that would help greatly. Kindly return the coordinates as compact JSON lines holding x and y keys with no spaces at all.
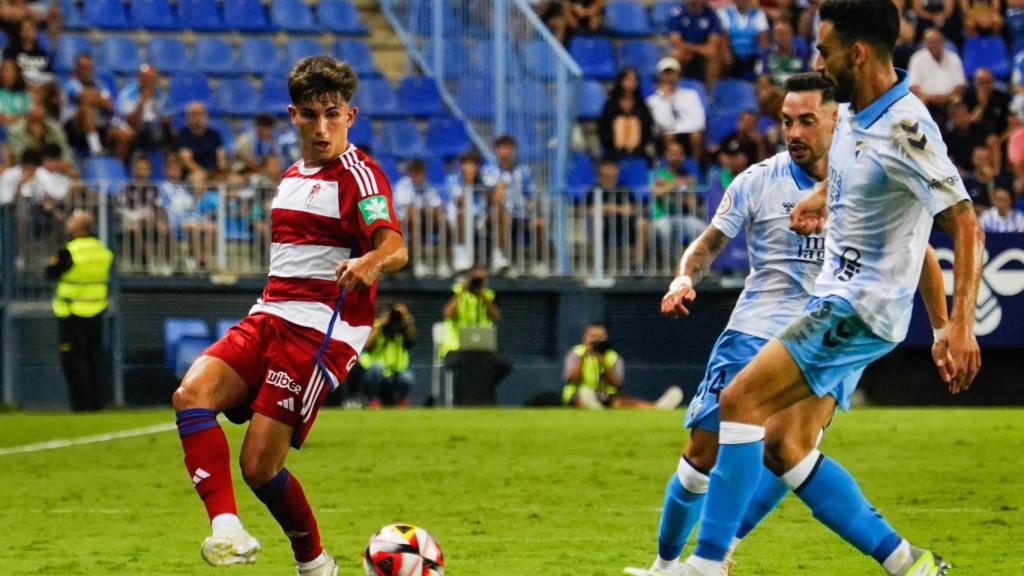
{"x":679,"y":282}
{"x":937,"y":333}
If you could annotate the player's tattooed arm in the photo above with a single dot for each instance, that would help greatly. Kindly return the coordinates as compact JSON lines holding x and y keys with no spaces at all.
{"x":692,"y":267}
{"x":388,"y":255}
{"x":958,"y":338}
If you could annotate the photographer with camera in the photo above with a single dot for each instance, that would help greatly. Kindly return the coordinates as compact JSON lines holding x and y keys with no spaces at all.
{"x":594,"y":373}
{"x":385,"y":378}
{"x":471,"y":306}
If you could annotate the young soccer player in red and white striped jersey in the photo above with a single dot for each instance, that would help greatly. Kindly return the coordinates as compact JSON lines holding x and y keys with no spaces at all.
{"x":333,"y":232}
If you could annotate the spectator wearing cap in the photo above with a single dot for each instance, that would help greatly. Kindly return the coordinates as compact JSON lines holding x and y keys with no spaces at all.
{"x":936,"y":75}
{"x":1002,"y":216}
{"x":141,"y":109}
{"x":696,"y":36}
{"x":747,"y":34}
{"x":255,"y":144}
{"x":36,"y":131}
{"x":625,"y":127}
{"x":678,"y":112}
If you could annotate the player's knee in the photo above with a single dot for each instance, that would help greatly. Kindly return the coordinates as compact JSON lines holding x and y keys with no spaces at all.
{"x":701,"y":457}
{"x":184,"y":398}
{"x":782,"y":453}
{"x":257,"y":471}
{"x":731,"y":404}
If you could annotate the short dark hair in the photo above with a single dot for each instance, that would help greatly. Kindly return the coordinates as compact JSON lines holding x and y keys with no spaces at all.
{"x":265,"y":120}
{"x":52,"y":151}
{"x":417,"y":165}
{"x":876,"y":22}
{"x":812,"y":82}
{"x":505,"y":140}
{"x":315,"y":76}
{"x":471,"y":156}
{"x":31,"y":157}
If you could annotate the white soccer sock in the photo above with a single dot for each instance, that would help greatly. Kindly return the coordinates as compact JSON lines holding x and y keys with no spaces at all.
{"x":223,"y":522}
{"x":900,"y":559}
{"x":314,"y":563}
{"x":705,"y":566}
{"x":662,"y":564}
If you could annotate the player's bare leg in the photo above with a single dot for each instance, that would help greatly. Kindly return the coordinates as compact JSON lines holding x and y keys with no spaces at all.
{"x":209,"y":387}
{"x":262,"y":461}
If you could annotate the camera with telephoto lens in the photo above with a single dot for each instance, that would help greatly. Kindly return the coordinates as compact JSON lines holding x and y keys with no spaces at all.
{"x":476,"y":283}
{"x":599,"y":346}
{"x":394,"y":325}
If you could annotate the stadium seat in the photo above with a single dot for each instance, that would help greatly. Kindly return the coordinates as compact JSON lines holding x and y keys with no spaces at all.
{"x":245,"y":15}
{"x":447,"y":136}
{"x":106,"y":14}
{"x":456,"y":59}
{"x":298,"y":48}
{"x":118,"y":54}
{"x":986,"y":52}
{"x":532,"y":98}
{"x":214,"y":56}
{"x":71,"y":16}
{"x":661,"y":12}
{"x":436,"y":173}
{"x":735,"y":95}
{"x":201,"y":16}
{"x":236,"y":97}
{"x":154,"y":15}
{"x":633,"y":172}
{"x":361,"y":134}
{"x":401,"y":139}
{"x":720,"y":124}
{"x":626,"y":18}
{"x":357,"y":53}
{"x":69,"y":46}
{"x":184,"y":87}
{"x":539,"y":61}
{"x":419,"y":96}
{"x":177,"y":328}
{"x":594,"y":56}
{"x":168,"y":54}
{"x":698,"y":87}
{"x":591,"y":101}
{"x":378,"y":99}
{"x":259,"y":56}
{"x":274,"y":98}
{"x":293,"y":16}
{"x":390,"y":167}
{"x":581,"y":175}
{"x":341,"y":17}
{"x":640,"y":54}
{"x":104,"y":170}
{"x":186,"y":351}
{"x":473,"y":97}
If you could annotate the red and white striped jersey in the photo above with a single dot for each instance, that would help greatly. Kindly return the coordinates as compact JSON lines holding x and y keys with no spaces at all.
{"x":319,"y":217}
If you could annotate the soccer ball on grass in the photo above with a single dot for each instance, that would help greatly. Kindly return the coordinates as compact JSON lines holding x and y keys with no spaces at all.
{"x":403,"y":550}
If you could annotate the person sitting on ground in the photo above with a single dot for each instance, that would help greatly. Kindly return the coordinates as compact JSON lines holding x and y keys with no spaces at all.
{"x":385,"y":378}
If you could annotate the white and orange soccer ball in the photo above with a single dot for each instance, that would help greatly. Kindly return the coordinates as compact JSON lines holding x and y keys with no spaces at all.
{"x":403,"y":550}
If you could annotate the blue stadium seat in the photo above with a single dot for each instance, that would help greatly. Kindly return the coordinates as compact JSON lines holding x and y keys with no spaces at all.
{"x":118,"y":54}
{"x":419,"y":96}
{"x":592,"y":98}
{"x":298,"y":48}
{"x":293,"y":16}
{"x":236,"y":97}
{"x":661,"y":12}
{"x":154,"y":15}
{"x":532,"y":99}
{"x":640,"y":54}
{"x":377,"y":98}
{"x":341,"y":17}
{"x":698,"y":87}
{"x":402,"y":140}
{"x":104,"y":170}
{"x":735,"y":95}
{"x":186,"y":351}
{"x":389,"y":165}
{"x":201,"y":16}
{"x":720,"y":124}
{"x":594,"y":55}
{"x":106,"y":14}
{"x":357,"y":53}
{"x":436,"y":173}
{"x":456,"y":59}
{"x":177,"y":328}
{"x":214,"y":56}
{"x":184,"y":87}
{"x":227,"y":135}
{"x":259,"y":56}
{"x":986,"y":52}
{"x":71,"y":16}
{"x":361,"y":134}
{"x":246,"y":15}
{"x":626,"y":18}
{"x":633,"y":172}
{"x":168,"y":54}
{"x":539,"y":60}
{"x":473,"y":97}
{"x":225,"y":324}
{"x":70,"y":46}
{"x":274,"y":98}
{"x":447,"y":136}
{"x":582,"y":175}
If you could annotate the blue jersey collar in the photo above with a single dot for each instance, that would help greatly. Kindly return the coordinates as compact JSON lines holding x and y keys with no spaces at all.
{"x":874,"y":111}
{"x":803,"y":180}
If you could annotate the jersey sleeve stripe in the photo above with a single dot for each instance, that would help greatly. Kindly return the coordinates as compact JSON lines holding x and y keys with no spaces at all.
{"x":305,"y":260}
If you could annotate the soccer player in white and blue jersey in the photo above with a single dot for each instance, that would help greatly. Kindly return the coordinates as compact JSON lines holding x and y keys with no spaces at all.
{"x":889,"y":178}
{"x":784,"y":266}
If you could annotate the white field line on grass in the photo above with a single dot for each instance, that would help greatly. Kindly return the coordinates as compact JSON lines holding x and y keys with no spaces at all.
{"x":94,"y":439}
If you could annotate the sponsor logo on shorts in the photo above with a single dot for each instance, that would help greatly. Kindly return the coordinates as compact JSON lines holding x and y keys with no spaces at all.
{"x":284,"y":381}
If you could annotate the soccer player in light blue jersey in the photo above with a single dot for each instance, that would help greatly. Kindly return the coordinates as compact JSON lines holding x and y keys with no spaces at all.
{"x":889,"y":178}
{"x":784,"y":266}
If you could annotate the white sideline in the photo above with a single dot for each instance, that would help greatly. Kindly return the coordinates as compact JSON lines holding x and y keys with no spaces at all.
{"x":94,"y":439}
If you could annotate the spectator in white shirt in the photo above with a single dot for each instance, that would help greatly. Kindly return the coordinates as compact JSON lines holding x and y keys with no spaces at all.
{"x":936,"y":75}
{"x":678,"y":112}
{"x":1002,"y":216}
{"x":32,"y":182}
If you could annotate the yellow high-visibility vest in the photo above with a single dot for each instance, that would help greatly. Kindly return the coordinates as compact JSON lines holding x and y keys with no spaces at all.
{"x":470,"y":311}
{"x":82,"y":289}
{"x":591,"y":370}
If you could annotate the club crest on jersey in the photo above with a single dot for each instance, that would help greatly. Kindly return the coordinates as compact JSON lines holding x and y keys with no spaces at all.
{"x":374,"y":208}
{"x":311,"y":197}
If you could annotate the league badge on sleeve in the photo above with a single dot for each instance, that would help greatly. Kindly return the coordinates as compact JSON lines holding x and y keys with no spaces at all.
{"x":374,"y":208}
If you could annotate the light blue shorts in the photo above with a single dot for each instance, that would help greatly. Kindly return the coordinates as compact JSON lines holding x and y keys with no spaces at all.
{"x":731,"y":353}
{"x":832,"y":346}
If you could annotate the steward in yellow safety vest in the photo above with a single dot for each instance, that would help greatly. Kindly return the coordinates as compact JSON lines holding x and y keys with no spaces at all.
{"x":592,"y":370}
{"x":471,"y":305}
{"x":385,"y":378}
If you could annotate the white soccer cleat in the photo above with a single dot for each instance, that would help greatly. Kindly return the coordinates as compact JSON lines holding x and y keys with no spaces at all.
{"x":670,"y":399}
{"x":227,"y":547}
{"x":652,"y":571}
{"x":322,"y":566}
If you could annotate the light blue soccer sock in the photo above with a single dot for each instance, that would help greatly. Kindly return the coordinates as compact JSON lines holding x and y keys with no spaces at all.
{"x":733,"y":481}
{"x":770,"y":491}
{"x":836,"y":501}
{"x":684,"y":500}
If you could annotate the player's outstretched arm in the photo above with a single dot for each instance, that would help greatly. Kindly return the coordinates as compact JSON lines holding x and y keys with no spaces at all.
{"x":693,"y":266}
{"x":958,"y":338}
{"x":389,"y":255}
{"x":810,"y":213}
{"x":933,"y":292}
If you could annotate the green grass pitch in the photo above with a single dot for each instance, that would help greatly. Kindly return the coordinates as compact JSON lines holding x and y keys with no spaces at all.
{"x":506,"y":492}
